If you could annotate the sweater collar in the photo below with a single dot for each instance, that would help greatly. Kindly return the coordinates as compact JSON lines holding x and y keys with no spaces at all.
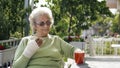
{"x":35,"y":37}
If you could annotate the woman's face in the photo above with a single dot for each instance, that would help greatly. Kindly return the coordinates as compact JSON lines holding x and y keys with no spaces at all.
{"x":42,"y":26}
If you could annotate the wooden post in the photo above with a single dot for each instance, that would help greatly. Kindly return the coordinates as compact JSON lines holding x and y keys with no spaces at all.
{"x":118,"y":5}
{"x":111,"y":3}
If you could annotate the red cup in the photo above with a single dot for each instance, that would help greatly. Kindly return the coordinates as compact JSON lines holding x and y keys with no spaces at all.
{"x":79,"y":57}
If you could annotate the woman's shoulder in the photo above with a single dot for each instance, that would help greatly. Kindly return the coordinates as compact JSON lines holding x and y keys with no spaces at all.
{"x":27,"y":37}
{"x":56,"y":37}
{"x":53,"y":36}
{"x":33,"y":37}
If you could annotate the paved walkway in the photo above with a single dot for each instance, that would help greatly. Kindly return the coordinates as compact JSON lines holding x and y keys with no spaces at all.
{"x":98,"y":62}
{"x":103,"y":62}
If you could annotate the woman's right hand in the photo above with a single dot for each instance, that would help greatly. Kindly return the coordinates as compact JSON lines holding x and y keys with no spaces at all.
{"x":31,"y":47}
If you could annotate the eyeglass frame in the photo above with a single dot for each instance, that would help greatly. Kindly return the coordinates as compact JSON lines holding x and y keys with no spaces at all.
{"x":48,"y":23}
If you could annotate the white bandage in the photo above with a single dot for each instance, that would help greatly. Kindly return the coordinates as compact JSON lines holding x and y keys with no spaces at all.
{"x":30,"y":49}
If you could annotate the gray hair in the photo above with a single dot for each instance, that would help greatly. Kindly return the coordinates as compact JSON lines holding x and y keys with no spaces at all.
{"x":36,"y":13}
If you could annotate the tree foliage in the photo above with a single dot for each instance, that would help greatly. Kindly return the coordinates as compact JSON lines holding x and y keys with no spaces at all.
{"x":77,"y":14}
{"x":115,"y":24}
{"x":12,"y":16}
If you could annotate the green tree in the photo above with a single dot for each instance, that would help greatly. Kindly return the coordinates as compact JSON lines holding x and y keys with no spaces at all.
{"x":102,"y":24}
{"x":115,"y":24}
{"x":12,"y":17}
{"x":72,"y":16}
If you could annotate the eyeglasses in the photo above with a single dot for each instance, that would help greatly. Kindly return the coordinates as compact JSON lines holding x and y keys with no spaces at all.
{"x":48,"y":23}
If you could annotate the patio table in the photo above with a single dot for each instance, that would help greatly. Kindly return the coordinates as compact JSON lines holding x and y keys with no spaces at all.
{"x":71,"y":64}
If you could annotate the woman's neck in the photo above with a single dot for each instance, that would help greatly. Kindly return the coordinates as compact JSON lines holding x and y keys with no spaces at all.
{"x":40,"y":35}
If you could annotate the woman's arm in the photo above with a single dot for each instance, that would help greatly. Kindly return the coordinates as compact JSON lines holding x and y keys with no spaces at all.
{"x":20,"y":61}
{"x":66,"y":49}
{"x":26,"y":49}
{"x":72,"y":52}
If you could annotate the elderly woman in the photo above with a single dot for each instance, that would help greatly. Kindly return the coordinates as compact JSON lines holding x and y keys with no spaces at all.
{"x":42,"y":50}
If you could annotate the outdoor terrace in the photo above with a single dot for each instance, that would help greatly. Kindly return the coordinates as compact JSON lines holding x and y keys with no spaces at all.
{"x":97,"y":62}
{"x":105,"y":55}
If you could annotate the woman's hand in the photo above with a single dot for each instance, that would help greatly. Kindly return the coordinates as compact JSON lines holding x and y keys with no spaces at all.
{"x":32,"y":47}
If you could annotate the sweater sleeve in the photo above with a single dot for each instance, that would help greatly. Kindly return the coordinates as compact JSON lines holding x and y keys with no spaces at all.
{"x":20,"y":61}
{"x":67,"y":49}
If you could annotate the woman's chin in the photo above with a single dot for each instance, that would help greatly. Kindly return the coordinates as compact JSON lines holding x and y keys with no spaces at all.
{"x":45,"y":33}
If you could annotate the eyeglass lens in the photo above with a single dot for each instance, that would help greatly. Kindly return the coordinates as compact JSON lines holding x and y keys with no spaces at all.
{"x":48,"y":23}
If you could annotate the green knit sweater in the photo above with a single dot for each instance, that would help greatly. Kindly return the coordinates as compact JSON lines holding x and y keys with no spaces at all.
{"x":49,"y":55}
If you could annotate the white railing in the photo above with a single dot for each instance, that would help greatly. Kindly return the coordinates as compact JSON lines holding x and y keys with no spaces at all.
{"x":7,"y":55}
{"x":10,"y":42}
{"x":103,"y":46}
{"x":100,"y":46}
